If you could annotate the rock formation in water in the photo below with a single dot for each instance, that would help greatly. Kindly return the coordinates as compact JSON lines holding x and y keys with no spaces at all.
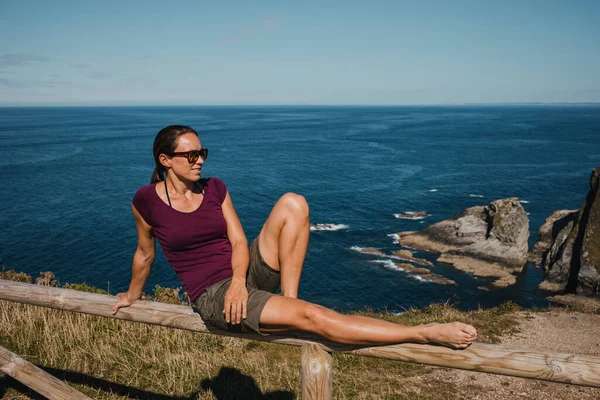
{"x":425,"y":274}
{"x":408,"y":256}
{"x":421,"y":273}
{"x":484,"y":240}
{"x":375,"y":252}
{"x":569,"y":246}
{"x":411,"y":215}
{"x":552,"y":235}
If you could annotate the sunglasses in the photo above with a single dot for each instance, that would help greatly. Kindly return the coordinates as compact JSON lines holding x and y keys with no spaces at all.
{"x":193,"y":155}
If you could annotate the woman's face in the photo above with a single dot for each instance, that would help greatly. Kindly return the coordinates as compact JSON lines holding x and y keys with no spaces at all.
{"x":180,"y":165}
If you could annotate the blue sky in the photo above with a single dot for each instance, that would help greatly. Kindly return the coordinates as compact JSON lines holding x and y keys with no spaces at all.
{"x":310,"y":52}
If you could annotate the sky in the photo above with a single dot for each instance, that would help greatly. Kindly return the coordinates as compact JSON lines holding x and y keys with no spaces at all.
{"x":263,"y":52}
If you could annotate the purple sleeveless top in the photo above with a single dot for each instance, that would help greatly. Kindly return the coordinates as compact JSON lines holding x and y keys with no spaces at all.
{"x":195,"y":243}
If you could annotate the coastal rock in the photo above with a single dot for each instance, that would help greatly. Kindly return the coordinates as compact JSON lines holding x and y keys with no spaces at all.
{"x":589,"y":272}
{"x":572,"y":261}
{"x":370,"y":250}
{"x":486,"y":241}
{"x":408,"y":256}
{"x":411,"y":215}
{"x":554,"y":231}
{"x":425,"y":274}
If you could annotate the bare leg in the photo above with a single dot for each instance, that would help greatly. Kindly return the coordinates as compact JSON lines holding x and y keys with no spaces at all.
{"x":283,"y":240}
{"x":281,"y":313}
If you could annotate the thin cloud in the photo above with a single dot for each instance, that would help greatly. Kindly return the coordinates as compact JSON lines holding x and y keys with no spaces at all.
{"x":100,"y":76}
{"x":259,"y":28}
{"x":271,"y":23}
{"x":17,"y":60}
{"x":22,"y":84}
{"x":81,"y":66}
{"x":9,"y":83}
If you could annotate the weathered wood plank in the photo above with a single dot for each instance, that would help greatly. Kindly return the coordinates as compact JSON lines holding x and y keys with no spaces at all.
{"x":495,"y":359}
{"x":36,"y":378}
{"x":316,"y":373}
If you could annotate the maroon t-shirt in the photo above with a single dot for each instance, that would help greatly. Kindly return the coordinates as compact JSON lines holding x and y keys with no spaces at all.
{"x":195,"y":243}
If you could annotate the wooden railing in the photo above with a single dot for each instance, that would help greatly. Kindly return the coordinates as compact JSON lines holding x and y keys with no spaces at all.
{"x":316,"y":360}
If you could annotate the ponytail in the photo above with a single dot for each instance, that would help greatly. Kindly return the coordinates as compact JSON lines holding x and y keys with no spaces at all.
{"x":156,"y":176}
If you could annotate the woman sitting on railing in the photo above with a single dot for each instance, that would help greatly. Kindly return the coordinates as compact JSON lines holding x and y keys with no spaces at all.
{"x":230,"y":285}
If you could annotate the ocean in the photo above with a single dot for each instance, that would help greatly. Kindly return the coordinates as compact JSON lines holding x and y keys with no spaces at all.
{"x":69,"y":175}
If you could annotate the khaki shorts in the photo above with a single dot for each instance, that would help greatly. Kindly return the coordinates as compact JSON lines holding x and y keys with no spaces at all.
{"x":262,"y":281}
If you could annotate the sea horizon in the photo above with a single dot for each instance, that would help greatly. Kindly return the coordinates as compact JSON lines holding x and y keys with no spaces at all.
{"x":467,"y":104}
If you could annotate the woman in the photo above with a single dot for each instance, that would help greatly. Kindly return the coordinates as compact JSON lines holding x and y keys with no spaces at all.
{"x":231,"y":285}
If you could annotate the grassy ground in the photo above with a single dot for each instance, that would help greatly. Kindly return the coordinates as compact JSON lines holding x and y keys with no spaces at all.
{"x":113,"y":359}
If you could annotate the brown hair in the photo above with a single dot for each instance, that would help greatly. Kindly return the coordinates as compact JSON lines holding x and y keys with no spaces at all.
{"x":165,"y":143}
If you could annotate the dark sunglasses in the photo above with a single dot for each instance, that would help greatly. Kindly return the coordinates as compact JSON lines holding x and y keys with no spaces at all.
{"x":193,"y":155}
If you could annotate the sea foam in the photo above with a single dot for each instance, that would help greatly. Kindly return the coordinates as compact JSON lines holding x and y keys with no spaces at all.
{"x":394,"y":236}
{"x":389,"y":264}
{"x":407,"y":215}
{"x":328,"y":227}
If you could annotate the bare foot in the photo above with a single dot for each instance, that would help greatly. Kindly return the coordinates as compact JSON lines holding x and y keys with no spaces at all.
{"x":455,"y":334}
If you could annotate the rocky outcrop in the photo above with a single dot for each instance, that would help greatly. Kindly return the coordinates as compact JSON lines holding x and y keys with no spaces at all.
{"x":425,"y":274}
{"x":572,"y":261}
{"x":486,"y":241}
{"x":551,"y":236}
{"x":408,"y":256}
{"x":375,"y":252}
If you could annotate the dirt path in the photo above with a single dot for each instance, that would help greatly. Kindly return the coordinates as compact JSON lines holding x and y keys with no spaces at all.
{"x":557,"y":331}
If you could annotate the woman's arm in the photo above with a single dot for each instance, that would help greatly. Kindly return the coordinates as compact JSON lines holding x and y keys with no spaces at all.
{"x":236,"y":298}
{"x":143,"y":260}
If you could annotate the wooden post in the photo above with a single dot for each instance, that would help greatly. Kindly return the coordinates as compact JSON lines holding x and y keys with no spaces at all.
{"x":36,"y":378}
{"x":491,"y":358}
{"x":316,"y":373}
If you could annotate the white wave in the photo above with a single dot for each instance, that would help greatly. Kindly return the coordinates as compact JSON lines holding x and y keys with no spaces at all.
{"x":421,"y":222}
{"x":397,"y":258}
{"x":475,"y":195}
{"x":394,"y":236}
{"x":410,"y":248}
{"x":524,"y":201}
{"x":388,"y":256}
{"x":408,"y":215}
{"x":328,"y":227}
{"x":419,"y":278}
{"x":388,"y":264}
{"x":400,"y":216}
{"x":433,"y":190}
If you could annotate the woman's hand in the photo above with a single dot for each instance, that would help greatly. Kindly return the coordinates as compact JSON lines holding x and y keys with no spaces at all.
{"x":124,"y":301}
{"x":236,"y":301}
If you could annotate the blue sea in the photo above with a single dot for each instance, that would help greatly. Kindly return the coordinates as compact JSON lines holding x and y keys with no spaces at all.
{"x":69,"y":174}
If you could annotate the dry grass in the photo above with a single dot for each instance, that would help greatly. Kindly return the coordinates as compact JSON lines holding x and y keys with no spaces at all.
{"x":571,"y":302}
{"x":113,"y":359}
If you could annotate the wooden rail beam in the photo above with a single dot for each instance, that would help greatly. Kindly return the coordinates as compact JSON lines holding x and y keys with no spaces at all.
{"x":36,"y":378}
{"x":496,"y":359}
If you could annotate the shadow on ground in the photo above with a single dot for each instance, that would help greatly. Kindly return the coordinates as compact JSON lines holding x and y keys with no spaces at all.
{"x":229,"y":384}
